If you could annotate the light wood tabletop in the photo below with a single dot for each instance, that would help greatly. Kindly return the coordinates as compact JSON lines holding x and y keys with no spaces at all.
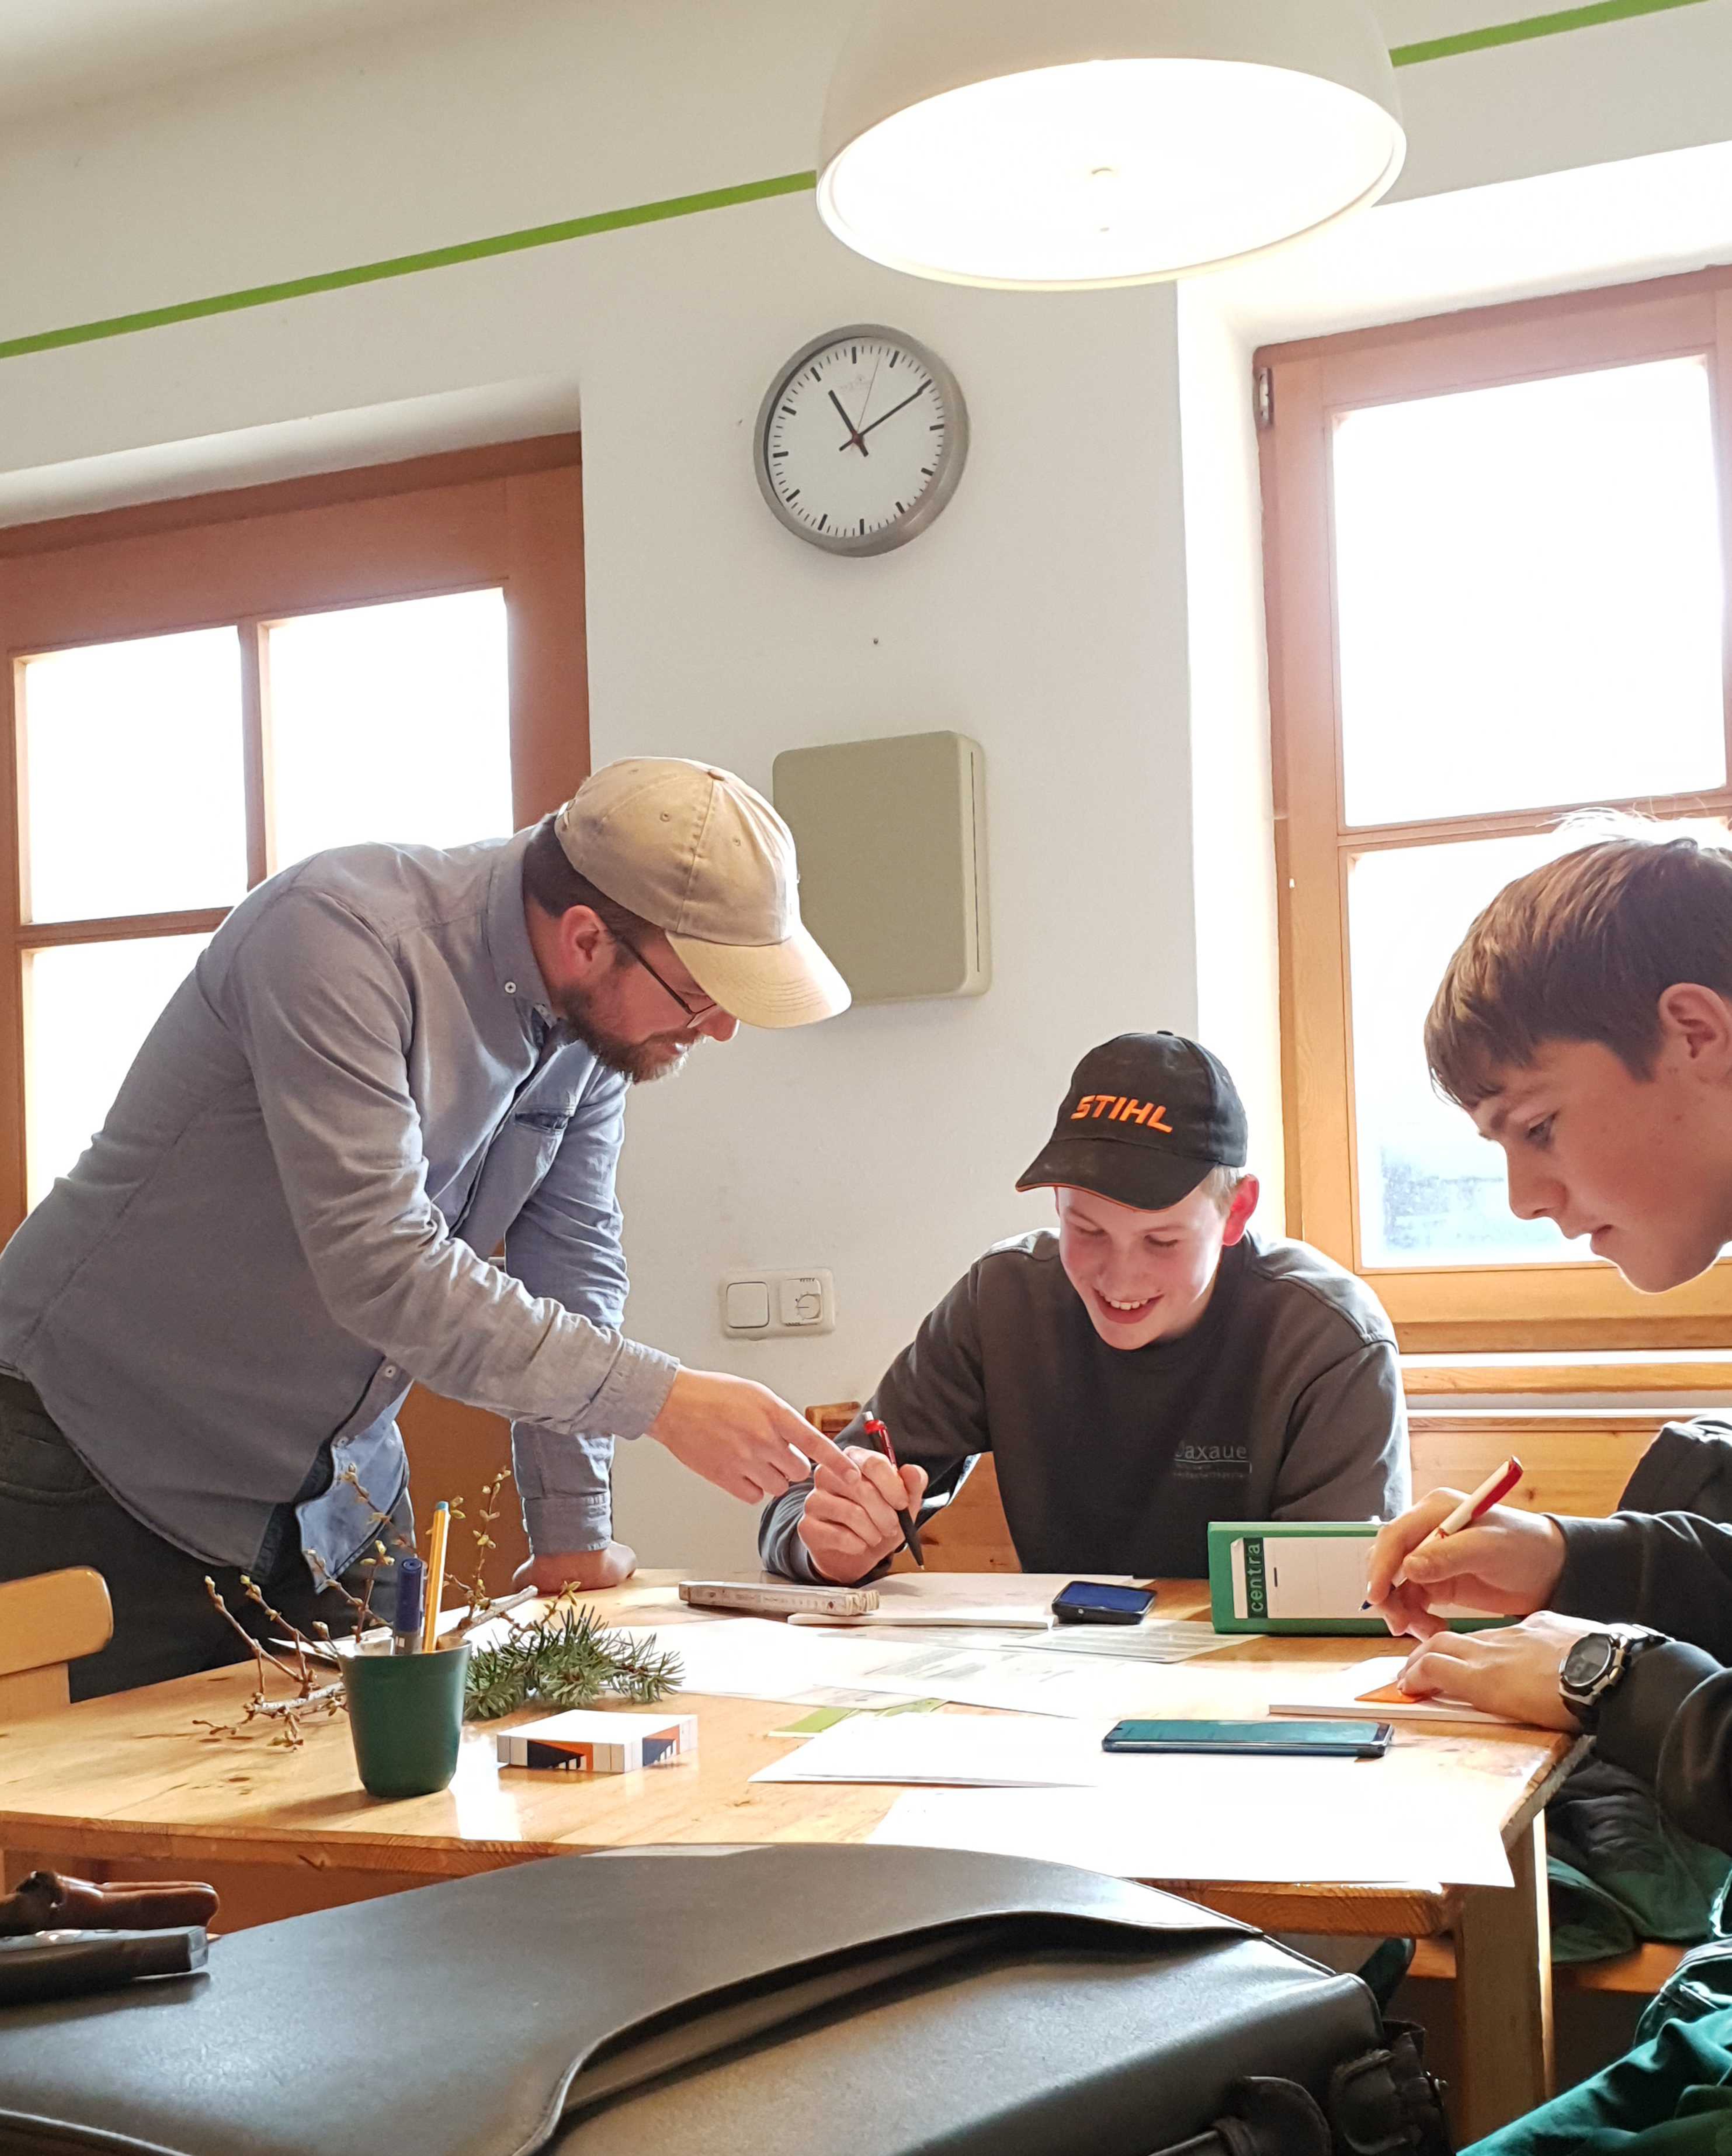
{"x":133,"y":1783}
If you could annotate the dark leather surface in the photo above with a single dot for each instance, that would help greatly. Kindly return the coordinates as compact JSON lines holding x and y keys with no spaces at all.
{"x":453,"y":2020}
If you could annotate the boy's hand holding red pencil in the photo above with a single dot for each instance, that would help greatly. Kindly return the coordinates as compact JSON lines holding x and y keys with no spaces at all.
{"x":1473,"y":1552}
{"x":1497,"y":1560}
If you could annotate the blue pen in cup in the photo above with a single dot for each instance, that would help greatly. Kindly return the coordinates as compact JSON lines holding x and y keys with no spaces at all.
{"x":410,"y":1605}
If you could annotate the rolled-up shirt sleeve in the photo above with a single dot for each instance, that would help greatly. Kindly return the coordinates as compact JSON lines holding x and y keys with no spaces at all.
{"x":566,"y":1244}
{"x":326,"y":1018}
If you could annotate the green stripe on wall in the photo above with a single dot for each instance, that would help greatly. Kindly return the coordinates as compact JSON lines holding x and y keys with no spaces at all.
{"x":1533,"y":26}
{"x":410,"y":265}
{"x":656,"y":213}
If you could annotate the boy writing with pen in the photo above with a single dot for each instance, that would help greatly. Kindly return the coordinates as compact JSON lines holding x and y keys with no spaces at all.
{"x":1151,"y":1367}
{"x":1585,"y":1024}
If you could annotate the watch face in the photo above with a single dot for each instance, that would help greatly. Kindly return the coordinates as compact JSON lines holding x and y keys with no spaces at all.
{"x":861,"y":440}
{"x":1588,"y":1661}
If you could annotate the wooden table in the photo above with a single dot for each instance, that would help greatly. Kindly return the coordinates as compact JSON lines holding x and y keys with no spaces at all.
{"x":129,"y":1784}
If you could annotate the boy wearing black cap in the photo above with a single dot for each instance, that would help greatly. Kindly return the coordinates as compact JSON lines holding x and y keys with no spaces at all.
{"x":1151,"y":1368}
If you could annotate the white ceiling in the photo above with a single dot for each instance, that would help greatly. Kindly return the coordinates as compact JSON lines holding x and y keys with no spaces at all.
{"x":57,"y":52}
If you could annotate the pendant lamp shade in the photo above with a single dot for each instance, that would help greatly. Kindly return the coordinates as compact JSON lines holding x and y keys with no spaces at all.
{"x":1061,"y":144}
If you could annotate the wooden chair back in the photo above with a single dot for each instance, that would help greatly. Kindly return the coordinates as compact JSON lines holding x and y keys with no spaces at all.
{"x":46,"y":1622}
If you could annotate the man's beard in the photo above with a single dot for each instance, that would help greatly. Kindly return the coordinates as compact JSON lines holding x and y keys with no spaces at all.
{"x":641,"y":1061}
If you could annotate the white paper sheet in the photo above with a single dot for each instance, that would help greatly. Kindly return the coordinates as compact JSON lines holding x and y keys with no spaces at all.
{"x":1167,"y":1641}
{"x":1155,"y":1640}
{"x":963,"y":1750}
{"x":1011,"y":1618}
{"x":1029,"y":1592}
{"x":755,"y":1658}
{"x":1025,"y":1680}
{"x":1311,"y":1821}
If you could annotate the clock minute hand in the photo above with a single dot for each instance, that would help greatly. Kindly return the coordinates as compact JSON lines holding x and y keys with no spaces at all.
{"x":890,"y":415}
{"x":855,"y":440}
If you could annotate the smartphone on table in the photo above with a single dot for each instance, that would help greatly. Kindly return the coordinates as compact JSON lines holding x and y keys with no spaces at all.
{"x":1087,"y":1602}
{"x":1283,"y":1739}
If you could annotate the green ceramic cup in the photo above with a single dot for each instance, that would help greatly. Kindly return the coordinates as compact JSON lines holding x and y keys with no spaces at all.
{"x":406,"y":1719}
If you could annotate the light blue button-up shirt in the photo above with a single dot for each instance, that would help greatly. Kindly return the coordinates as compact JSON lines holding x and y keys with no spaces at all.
{"x":359,"y":1094}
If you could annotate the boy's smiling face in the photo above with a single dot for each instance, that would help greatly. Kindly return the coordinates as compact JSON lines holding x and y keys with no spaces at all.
{"x":1145,"y":1277}
{"x":1640,"y":1166}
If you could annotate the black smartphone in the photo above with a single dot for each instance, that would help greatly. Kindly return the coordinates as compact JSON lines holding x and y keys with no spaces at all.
{"x":1086,"y":1602}
{"x":1272,"y":1739}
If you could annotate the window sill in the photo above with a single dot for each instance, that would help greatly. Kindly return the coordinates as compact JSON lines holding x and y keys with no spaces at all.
{"x":1700,"y":1377}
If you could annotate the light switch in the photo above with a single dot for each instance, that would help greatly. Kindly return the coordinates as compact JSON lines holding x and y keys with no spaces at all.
{"x":747,"y":1305}
{"x":769,"y":1304}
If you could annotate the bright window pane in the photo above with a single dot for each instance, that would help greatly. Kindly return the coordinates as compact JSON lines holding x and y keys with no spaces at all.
{"x":390,"y":722}
{"x":1528,"y":585}
{"x":88,"y":1007}
{"x":1431,"y":1191}
{"x":134,"y":799}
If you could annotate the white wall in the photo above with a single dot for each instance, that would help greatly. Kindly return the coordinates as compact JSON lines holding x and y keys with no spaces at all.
{"x":1233,"y":838}
{"x":1048,"y":612}
{"x":1044,"y":615}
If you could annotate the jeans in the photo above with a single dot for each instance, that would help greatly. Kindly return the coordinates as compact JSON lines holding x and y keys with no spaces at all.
{"x":54,"y":1513}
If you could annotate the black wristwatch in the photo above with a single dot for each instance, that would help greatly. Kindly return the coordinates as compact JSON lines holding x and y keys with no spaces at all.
{"x":1596,"y":1665}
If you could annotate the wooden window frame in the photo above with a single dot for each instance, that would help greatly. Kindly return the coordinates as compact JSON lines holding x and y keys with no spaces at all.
{"x":1509,"y":1307}
{"x":509,"y":516}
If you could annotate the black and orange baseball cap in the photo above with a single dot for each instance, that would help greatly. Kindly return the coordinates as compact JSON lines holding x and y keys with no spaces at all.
{"x":1146,"y":1118}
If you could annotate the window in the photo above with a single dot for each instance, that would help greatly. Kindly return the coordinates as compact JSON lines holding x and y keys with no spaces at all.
{"x":202,"y":693}
{"x":1496,"y":590}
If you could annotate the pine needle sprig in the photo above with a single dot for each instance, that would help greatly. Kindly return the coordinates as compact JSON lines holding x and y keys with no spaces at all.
{"x":567,"y":1658}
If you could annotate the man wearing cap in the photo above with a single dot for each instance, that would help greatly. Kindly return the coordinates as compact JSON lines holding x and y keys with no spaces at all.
{"x":1151,"y":1368}
{"x":390,"y":1065}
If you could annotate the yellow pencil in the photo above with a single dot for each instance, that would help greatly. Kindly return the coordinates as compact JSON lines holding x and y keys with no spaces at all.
{"x":435,"y":1576}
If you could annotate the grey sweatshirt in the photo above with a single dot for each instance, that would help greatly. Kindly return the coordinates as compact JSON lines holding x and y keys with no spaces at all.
{"x":1282,"y":1402}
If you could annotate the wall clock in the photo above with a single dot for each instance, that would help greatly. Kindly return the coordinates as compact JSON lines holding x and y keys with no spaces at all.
{"x":861,"y":439}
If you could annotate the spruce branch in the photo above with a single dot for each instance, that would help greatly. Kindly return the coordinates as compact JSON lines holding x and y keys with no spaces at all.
{"x":566,"y":1658}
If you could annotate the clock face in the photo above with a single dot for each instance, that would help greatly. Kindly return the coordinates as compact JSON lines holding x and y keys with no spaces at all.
{"x":861,"y":440}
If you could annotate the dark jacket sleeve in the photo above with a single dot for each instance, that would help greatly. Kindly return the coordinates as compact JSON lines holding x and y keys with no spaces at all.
{"x":1346,"y":1456}
{"x":1670,"y":1721}
{"x":1671,"y":1570}
{"x":932,"y":1399}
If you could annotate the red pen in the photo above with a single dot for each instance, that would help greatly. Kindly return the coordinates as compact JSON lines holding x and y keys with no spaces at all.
{"x":1497,"y":1484}
{"x":878,"y":1438}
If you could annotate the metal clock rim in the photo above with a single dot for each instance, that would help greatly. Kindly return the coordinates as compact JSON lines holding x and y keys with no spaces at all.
{"x":955,"y":451}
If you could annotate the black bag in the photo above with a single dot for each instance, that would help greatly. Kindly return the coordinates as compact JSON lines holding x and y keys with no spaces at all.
{"x":781,"y":2001}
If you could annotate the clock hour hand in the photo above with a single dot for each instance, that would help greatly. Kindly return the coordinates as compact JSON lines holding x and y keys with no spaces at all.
{"x":883,"y":416}
{"x":855,"y":440}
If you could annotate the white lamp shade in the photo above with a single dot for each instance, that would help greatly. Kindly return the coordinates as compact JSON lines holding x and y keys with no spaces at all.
{"x":1058,"y":144}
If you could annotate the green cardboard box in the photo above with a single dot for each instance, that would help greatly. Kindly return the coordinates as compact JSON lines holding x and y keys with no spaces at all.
{"x":1297,"y":1576}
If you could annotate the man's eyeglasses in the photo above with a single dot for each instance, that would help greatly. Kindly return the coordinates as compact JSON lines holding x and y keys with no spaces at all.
{"x":692,"y":1011}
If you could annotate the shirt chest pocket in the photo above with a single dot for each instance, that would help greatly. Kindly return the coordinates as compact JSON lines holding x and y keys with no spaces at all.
{"x":523,"y":1150}
{"x":547,"y":1123}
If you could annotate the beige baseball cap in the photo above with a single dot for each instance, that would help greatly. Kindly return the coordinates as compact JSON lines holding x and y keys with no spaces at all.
{"x":699,"y":853}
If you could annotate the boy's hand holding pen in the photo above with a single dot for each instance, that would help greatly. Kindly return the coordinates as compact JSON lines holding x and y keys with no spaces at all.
{"x":850,"y":1527}
{"x":1464,"y":1552}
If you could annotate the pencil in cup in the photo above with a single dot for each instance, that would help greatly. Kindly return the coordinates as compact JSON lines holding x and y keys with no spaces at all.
{"x":438,"y":1536}
{"x":878,"y":1438}
{"x":1496,"y":1486}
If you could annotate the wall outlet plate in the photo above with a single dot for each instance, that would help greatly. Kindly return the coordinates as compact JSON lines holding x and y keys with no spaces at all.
{"x":770,"y":1305}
